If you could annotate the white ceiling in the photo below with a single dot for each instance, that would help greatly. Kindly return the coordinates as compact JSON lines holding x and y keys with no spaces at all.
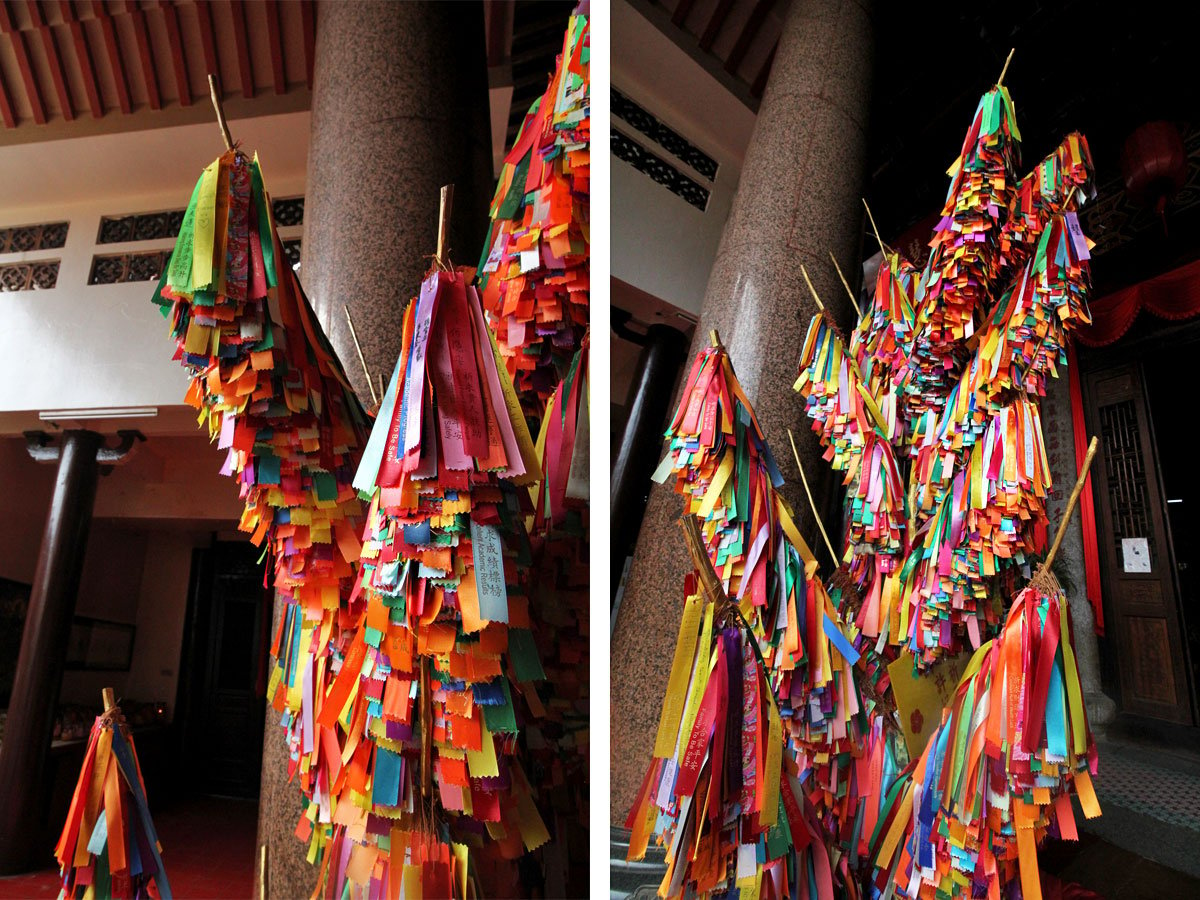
{"x":156,"y":161}
{"x":661,"y":77}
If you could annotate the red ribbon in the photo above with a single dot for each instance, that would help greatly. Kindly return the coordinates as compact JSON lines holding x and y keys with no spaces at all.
{"x":1087,"y":503}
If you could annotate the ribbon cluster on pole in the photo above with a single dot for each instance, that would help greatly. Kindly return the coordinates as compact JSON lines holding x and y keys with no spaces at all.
{"x":534,"y":273}
{"x":108,"y":846}
{"x":931,"y":413}
{"x":406,"y":659}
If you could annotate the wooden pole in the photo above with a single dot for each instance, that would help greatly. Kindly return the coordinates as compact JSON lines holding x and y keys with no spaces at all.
{"x":714,"y":337}
{"x":443,"y":237}
{"x":846,"y":285}
{"x":426,"y":730}
{"x":1062,"y":526}
{"x":882,"y":248}
{"x":812,"y":290}
{"x":700,"y":561}
{"x":262,"y":872}
{"x":362,"y":359}
{"x":216,"y":102}
{"x":811,"y":504}
{"x":1004,"y":71}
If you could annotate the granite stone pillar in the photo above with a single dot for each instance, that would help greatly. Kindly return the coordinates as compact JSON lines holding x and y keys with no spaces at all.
{"x":1059,"y":432}
{"x":798,"y":199}
{"x":399,"y":108}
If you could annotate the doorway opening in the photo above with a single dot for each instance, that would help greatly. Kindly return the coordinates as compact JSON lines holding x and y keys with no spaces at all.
{"x":1147,"y":528}
{"x":222,"y":685}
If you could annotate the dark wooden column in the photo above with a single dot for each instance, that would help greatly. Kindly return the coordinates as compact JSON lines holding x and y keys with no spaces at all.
{"x":663,"y":352}
{"x":30,"y":725}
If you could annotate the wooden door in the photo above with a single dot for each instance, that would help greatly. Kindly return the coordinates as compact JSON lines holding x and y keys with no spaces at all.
{"x":1137,"y":562}
{"x":224,"y":709}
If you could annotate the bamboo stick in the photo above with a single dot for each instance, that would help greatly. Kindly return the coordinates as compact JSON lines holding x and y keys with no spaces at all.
{"x":216,"y":102}
{"x":1078,"y":489}
{"x":811,"y":504}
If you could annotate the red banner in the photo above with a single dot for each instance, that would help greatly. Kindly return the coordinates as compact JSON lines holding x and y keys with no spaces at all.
{"x":1174,"y":295}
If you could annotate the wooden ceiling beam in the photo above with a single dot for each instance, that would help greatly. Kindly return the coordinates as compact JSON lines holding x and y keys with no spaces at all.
{"x":179,"y":66}
{"x":112,"y":48}
{"x":83,"y":58}
{"x":53,"y":59}
{"x":21,"y":52}
{"x":764,"y":72}
{"x":6,"y":107}
{"x":498,"y":26}
{"x":682,"y":8}
{"x":750,"y":30}
{"x":720,"y":14}
{"x":308,"y":24}
{"x":146,"y":54}
{"x":242,"y":42}
{"x":208,"y":41}
{"x":275,"y":40}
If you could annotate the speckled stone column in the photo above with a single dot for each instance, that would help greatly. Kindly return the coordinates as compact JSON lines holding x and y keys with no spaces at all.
{"x":280,"y":804}
{"x":798,"y":200}
{"x":400,"y":107}
{"x":1058,"y":430}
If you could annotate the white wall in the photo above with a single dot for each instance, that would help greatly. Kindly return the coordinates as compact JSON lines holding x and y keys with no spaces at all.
{"x":660,"y":243}
{"x":81,"y":346}
{"x":112,"y":571}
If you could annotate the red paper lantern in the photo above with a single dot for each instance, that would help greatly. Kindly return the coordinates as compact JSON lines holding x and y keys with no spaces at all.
{"x":1154,"y":164}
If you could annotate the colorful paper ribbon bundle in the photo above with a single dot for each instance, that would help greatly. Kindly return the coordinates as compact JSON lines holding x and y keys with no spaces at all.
{"x":445,"y":640}
{"x":854,"y":429}
{"x":996,"y":776}
{"x":882,"y":339}
{"x":562,"y":445}
{"x":826,"y":680}
{"x":534,"y":279}
{"x":990,"y":519}
{"x":267,"y":383}
{"x":1039,"y":195}
{"x":534,"y":271}
{"x":557,"y":738}
{"x":1029,"y":332}
{"x":724,"y":468}
{"x":717,"y":793}
{"x":108,"y":846}
{"x":965,"y":257}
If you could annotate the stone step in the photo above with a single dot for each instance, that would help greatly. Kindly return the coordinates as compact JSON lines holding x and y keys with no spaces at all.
{"x":630,"y":879}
